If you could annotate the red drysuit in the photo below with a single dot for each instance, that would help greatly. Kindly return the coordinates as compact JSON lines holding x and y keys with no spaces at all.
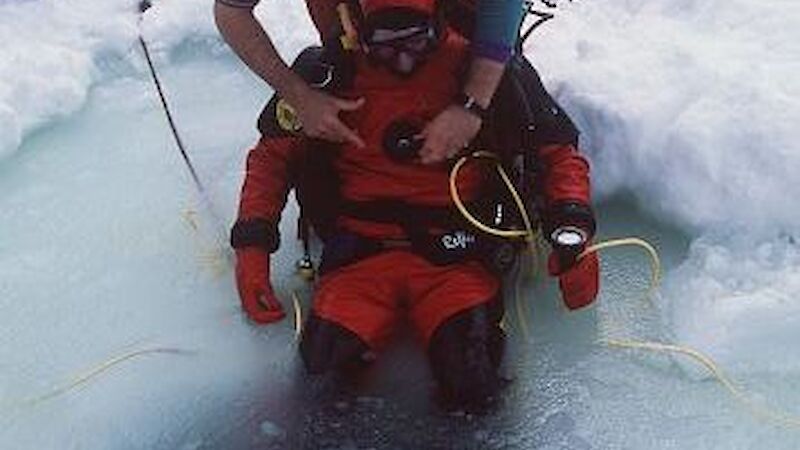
{"x":369,"y":296}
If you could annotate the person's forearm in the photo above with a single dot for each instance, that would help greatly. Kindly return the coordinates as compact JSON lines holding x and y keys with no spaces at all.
{"x":250,"y":42}
{"x":496,"y":29}
{"x":482,"y":79}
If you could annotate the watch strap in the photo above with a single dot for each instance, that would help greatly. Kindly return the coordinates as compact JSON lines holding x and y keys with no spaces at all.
{"x":471,"y":105}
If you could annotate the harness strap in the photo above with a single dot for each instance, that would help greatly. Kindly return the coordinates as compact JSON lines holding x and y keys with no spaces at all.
{"x":402,"y":214}
{"x":439,"y":234}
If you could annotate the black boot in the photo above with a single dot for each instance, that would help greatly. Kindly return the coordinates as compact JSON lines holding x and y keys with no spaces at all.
{"x":465,"y":354}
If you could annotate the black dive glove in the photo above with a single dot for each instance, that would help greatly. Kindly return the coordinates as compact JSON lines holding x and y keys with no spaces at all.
{"x":569,"y":227}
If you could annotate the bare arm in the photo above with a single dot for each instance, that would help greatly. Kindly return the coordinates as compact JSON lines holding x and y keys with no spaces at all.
{"x":250,"y":42}
{"x":317,"y":111}
{"x":483,"y":79}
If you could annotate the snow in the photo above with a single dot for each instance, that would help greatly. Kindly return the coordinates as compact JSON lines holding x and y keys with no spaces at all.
{"x":688,"y":114}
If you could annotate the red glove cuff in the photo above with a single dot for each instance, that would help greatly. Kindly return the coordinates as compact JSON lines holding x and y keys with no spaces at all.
{"x":580,"y":283}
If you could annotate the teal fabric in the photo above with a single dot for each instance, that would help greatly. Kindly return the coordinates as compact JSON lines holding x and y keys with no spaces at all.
{"x":496,"y":28}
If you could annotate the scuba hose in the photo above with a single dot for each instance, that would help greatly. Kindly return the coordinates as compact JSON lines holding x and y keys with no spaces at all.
{"x":144,"y":5}
{"x":757,"y":409}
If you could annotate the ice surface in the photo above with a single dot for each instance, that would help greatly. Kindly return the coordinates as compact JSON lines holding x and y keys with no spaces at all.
{"x":687,"y":111}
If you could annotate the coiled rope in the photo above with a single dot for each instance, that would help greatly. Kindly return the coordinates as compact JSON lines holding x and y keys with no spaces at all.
{"x":758,"y":410}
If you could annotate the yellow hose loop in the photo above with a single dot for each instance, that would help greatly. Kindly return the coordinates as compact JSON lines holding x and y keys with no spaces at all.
{"x":655,"y":261}
{"x":298,"y":316}
{"x":756,"y":409}
{"x":96,"y":371}
{"x":529,"y":233}
{"x":456,"y":197}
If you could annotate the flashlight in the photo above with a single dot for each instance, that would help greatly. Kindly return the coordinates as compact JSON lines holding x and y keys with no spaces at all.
{"x":569,"y":236}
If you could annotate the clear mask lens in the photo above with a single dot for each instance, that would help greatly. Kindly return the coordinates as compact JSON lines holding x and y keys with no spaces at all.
{"x":401,"y":50}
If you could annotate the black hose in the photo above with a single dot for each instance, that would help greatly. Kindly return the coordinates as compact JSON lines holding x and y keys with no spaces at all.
{"x":542,"y":17}
{"x":144,"y":5}
{"x":172,"y":126}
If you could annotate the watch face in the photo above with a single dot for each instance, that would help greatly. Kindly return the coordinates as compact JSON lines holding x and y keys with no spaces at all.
{"x":471,"y":105}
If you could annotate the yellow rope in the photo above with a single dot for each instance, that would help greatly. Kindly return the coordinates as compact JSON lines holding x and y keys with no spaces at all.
{"x":518,"y":305}
{"x":527,"y":233}
{"x":96,"y":371}
{"x":298,"y":316}
{"x":655,"y":261}
{"x":655,"y":265}
{"x":755,"y":408}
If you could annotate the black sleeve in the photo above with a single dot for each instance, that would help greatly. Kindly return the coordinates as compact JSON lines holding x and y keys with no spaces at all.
{"x":255,"y":233}
{"x":523,"y":116}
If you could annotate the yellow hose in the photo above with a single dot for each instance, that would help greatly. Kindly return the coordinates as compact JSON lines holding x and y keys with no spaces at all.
{"x":756,"y":409}
{"x":96,"y":371}
{"x":518,"y":306}
{"x":527,"y":233}
{"x":298,"y":315}
{"x":655,"y":261}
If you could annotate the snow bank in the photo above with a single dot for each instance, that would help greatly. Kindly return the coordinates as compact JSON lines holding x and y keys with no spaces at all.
{"x":691,"y":106}
{"x":48,"y":59}
{"x":51,"y":49}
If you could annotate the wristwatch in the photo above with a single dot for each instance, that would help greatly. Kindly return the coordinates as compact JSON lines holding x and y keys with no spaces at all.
{"x":471,"y":105}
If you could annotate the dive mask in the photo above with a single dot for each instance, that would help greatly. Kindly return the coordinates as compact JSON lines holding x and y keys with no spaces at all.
{"x":401,"y":41}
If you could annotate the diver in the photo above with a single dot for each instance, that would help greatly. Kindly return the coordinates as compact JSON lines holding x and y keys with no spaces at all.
{"x":394,"y":247}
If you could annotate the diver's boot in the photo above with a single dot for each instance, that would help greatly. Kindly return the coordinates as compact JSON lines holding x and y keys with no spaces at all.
{"x":333,"y":356}
{"x":465,"y":354}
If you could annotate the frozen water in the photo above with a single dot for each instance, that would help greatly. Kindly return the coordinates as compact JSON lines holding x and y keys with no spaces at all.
{"x":688,"y":114}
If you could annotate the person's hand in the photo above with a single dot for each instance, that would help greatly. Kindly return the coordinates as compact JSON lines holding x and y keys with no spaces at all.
{"x":579,"y":282}
{"x":448,"y":134}
{"x":570,"y":227}
{"x":318,"y":113}
{"x":255,"y":291}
